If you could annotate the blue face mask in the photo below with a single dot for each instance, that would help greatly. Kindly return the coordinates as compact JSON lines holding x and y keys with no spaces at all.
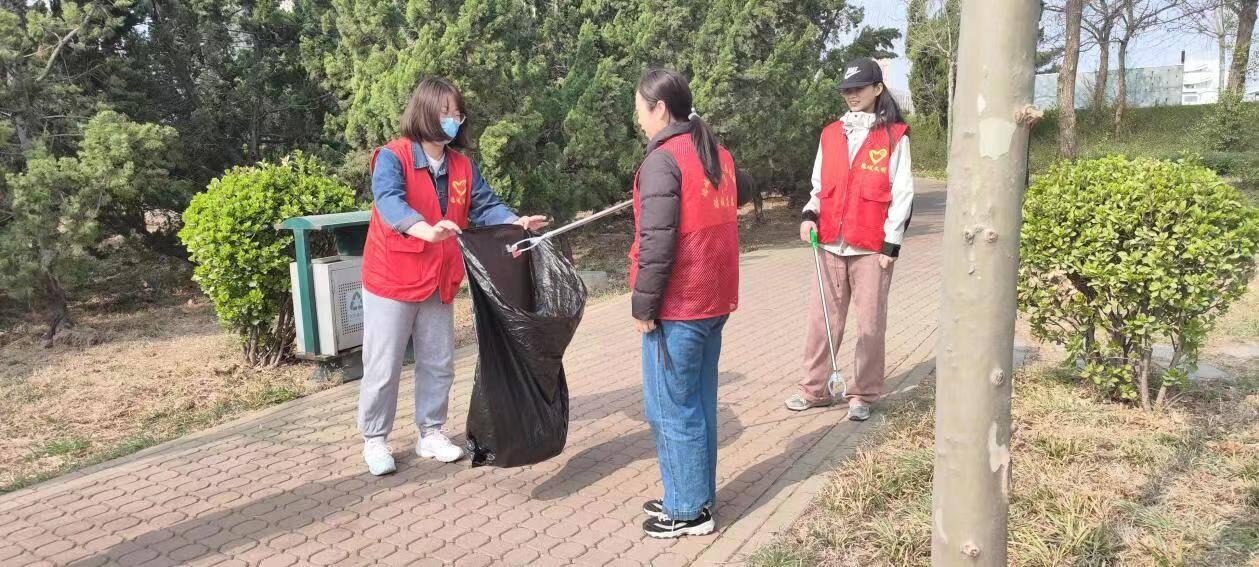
{"x":450,"y":127}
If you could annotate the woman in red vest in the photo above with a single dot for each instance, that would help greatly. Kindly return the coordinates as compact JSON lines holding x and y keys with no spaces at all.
{"x":863,"y":193}
{"x":424,"y":194}
{"x":684,"y":272}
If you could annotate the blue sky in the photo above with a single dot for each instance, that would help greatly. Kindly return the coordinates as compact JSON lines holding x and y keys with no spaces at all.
{"x":1156,"y":48}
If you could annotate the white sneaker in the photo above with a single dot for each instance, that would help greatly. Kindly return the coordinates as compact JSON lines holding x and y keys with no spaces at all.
{"x":434,"y":444}
{"x":378,"y":457}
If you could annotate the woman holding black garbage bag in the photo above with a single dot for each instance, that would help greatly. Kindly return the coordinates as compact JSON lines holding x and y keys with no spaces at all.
{"x":424,"y":193}
{"x":684,"y":271}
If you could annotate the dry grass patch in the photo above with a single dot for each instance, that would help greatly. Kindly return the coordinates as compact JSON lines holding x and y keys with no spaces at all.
{"x":143,"y":378}
{"x":1241,"y":323}
{"x":1095,"y":483}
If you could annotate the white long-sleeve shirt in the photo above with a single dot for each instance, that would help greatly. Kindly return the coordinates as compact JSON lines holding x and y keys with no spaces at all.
{"x":858,"y":124}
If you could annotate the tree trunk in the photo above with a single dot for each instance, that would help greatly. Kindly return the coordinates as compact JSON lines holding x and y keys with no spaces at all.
{"x":1221,"y":38}
{"x":253,"y":139}
{"x":1090,"y":345}
{"x":20,"y":126}
{"x":1162,"y":387}
{"x":1143,"y":378}
{"x":58,"y":308}
{"x":1121,"y":84}
{"x":1067,"y":146}
{"x":1247,"y":13}
{"x":975,"y":355}
{"x":1221,"y":68}
{"x":24,"y":140}
{"x":282,"y":335}
{"x":1103,"y":69}
{"x":952,"y":90}
{"x":251,"y":347}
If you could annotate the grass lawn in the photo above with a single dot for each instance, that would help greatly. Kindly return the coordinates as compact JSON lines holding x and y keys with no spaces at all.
{"x":1095,"y":482}
{"x":1166,"y":132}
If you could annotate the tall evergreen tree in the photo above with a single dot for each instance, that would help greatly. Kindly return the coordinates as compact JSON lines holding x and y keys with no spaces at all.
{"x":550,"y":84}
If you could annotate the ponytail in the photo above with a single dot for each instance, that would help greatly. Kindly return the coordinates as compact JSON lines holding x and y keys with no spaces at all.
{"x":706,"y":147}
{"x":672,"y":88}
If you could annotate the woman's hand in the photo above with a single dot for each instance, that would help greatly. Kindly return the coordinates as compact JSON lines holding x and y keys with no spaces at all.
{"x":807,"y":228}
{"x":430,"y":233}
{"x":644,"y":327}
{"x":885,"y":262}
{"x":450,"y":227}
{"x":533,"y":223}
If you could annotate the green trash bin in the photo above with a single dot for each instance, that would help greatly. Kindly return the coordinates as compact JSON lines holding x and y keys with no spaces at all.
{"x":328,"y":293}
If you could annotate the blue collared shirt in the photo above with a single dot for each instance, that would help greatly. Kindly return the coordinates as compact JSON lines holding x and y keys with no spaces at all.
{"x":390,"y":192}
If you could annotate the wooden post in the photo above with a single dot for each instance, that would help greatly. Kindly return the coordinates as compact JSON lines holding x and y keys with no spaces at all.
{"x":987,"y":179}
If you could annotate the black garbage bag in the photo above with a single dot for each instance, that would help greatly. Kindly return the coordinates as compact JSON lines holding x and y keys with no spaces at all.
{"x":526,"y":310}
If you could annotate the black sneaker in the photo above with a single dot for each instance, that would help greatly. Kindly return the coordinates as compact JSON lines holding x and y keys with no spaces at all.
{"x":654,"y":509}
{"x":666,"y":528}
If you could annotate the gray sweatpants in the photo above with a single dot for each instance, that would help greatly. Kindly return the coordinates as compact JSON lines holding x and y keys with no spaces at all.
{"x":387,"y":326}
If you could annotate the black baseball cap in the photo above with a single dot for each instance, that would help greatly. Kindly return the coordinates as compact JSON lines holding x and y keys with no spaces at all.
{"x":861,"y":72}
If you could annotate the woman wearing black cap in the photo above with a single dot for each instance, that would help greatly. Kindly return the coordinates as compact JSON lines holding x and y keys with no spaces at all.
{"x":863,"y":192}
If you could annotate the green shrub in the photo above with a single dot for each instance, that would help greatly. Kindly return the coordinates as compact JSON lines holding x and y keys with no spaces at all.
{"x":1119,"y":253}
{"x":242,"y":260}
{"x":1230,"y":126}
{"x":1228,"y":163}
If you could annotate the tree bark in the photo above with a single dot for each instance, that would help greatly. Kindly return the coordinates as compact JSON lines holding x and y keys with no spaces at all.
{"x":949,"y":104}
{"x":1221,"y":37}
{"x":58,"y":308}
{"x":1247,"y":14}
{"x":1162,"y":387}
{"x":1067,"y":145}
{"x":24,"y":140}
{"x":1103,"y":67}
{"x":952,"y":7}
{"x":19,"y":117}
{"x":975,"y":355}
{"x":1121,"y":84}
{"x":1143,"y":378}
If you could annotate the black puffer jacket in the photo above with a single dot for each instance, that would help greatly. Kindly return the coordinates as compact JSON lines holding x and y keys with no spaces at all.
{"x":660,"y":199}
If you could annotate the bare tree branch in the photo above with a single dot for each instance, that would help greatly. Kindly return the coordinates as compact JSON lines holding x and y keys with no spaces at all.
{"x":52,"y":58}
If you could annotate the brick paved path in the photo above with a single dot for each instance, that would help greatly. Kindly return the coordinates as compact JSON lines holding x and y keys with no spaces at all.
{"x":287,"y":486}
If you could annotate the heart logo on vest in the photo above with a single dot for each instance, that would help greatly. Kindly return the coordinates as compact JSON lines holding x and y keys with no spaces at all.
{"x":460,"y":187}
{"x":878,"y":155}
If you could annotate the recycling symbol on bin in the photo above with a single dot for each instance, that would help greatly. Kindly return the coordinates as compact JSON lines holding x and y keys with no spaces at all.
{"x":356,"y":307}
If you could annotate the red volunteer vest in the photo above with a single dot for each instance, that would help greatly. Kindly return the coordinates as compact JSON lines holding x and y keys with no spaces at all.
{"x":405,"y":268}
{"x":705,"y":278}
{"x":855,"y":198}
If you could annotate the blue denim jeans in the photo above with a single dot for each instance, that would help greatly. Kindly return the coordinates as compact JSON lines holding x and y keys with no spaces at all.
{"x":680,"y":399}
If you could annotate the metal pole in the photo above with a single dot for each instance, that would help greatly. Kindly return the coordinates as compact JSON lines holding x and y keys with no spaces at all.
{"x":305,"y":292}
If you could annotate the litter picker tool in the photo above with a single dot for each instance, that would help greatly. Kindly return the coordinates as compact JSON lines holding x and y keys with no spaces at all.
{"x":836,"y":382}
{"x":529,"y":243}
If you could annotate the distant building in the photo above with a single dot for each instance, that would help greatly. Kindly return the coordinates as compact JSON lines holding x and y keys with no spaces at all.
{"x":1190,"y":83}
{"x":902,"y":98}
{"x":1146,"y":86}
{"x":1202,"y":83}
